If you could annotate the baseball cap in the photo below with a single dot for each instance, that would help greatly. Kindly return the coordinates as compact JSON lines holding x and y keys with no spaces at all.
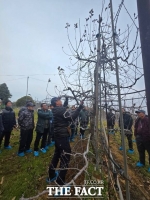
{"x":53,"y":100}
{"x":140,"y":111}
{"x":30,"y":104}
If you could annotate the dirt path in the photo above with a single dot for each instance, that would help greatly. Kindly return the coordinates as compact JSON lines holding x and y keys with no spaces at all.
{"x":139,"y":185}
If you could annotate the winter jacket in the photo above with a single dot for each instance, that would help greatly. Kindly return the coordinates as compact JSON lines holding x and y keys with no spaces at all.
{"x":26,"y":119}
{"x":127,"y":120}
{"x":111,"y":119}
{"x":43,"y":116}
{"x":1,"y":125}
{"x":84,"y":118}
{"x":61,"y":120}
{"x":8,"y":118}
{"x":22,"y":109}
{"x":73,"y":122}
{"x":142,"y":129}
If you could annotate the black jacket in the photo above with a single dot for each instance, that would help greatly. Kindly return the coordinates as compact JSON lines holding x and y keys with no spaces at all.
{"x":84,"y":118}
{"x":127,"y":120}
{"x":111,"y":119}
{"x":61,"y":119}
{"x":8,"y":119}
{"x":26,"y":119}
{"x":1,"y":125}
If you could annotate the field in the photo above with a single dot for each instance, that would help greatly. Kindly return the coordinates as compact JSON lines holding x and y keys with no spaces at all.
{"x":25,"y":176}
{"x":22,"y":175}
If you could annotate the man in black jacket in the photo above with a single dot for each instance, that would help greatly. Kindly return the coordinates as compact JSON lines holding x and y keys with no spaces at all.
{"x":61,"y":134}
{"x":9,"y":121}
{"x":26,"y":123}
{"x":128,"y":122}
{"x":110,"y":121}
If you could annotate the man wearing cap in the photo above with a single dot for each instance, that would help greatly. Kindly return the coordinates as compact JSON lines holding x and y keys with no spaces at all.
{"x":42,"y":128}
{"x":26,"y":123}
{"x":142,"y":135}
{"x":24,"y":107}
{"x":128,"y":122}
{"x":61,"y":134}
{"x":9,"y":122}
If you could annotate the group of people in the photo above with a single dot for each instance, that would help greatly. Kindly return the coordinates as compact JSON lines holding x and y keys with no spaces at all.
{"x":25,"y":120}
{"x":141,"y":131}
{"x":56,"y":125}
{"x":44,"y":126}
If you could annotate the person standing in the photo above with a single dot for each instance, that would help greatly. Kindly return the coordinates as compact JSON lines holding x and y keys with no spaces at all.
{"x":128,"y":122}
{"x":52,"y":129}
{"x":42,"y":128}
{"x":26,"y":123}
{"x":24,"y":107}
{"x":110,"y":121}
{"x":1,"y":105}
{"x":84,"y":120}
{"x":62,"y":145}
{"x":9,"y":122}
{"x":72,"y":125}
{"x":1,"y":123}
{"x":142,"y":135}
{"x":50,"y":139}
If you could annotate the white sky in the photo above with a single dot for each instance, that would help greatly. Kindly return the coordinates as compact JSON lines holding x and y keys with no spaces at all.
{"x":32,"y":33}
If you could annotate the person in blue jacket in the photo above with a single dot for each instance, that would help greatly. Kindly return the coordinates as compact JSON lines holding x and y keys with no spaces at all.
{"x":42,"y":128}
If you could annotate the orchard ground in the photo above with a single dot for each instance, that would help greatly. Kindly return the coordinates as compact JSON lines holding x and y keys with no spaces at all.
{"x":27,"y":175}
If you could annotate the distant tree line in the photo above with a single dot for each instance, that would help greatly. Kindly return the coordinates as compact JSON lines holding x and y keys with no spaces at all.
{"x":5,"y":95}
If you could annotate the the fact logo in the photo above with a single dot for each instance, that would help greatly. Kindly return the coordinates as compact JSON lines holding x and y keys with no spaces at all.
{"x":91,"y":188}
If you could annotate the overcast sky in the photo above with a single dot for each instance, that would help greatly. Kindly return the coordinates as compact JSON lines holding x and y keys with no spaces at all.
{"x":32,"y":33}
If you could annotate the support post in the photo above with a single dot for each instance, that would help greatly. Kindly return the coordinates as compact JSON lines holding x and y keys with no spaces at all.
{"x":144,"y":26}
{"x":120,"y":106}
